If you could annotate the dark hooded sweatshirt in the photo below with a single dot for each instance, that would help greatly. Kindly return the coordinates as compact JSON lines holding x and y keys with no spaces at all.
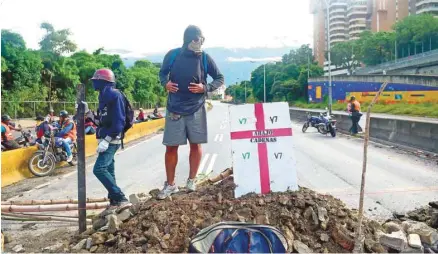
{"x":111,"y":112}
{"x":188,"y":68}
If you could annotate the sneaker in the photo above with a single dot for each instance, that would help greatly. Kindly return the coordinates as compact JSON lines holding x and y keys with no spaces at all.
{"x":69,"y":158}
{"x":122,"y":205}
{"x":190,"y":185}
{"x":110,"y":209}
{"x":167,"y":191}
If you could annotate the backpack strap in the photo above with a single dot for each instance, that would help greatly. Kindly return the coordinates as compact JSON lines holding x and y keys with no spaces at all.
{"x":175,"y":53}
{"x":205,"y":65}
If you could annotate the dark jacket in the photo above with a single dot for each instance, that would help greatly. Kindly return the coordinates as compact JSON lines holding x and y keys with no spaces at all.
{"x":111,"y":112}
{"x":188,"y":68}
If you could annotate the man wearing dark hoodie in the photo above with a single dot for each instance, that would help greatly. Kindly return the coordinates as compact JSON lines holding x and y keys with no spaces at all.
{"x":110,"y":121}
{"x":183,"y":75}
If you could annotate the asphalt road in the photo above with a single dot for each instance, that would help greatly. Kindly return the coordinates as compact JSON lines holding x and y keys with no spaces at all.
{"x":396,"y":180}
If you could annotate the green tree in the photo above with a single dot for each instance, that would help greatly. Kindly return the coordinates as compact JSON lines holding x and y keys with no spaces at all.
{"x":343,"y":55}
{"x":56,"y":41}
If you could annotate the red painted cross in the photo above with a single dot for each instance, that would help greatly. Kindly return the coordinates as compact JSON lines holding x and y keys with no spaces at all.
{"x":265,"y":182}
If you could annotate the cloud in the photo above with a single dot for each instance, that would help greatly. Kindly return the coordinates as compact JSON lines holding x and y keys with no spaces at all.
{"x":250,"y":59}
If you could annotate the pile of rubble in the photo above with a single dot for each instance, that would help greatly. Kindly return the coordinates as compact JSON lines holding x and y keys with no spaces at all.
{"x":311,"y":222}
{"x":427,"y":214}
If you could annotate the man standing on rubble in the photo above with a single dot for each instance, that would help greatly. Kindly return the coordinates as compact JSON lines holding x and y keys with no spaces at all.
{"x":184,"y":74}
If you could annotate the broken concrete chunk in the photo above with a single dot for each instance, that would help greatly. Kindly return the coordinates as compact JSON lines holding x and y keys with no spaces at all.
{"x":301,"y":247}
{"x":427,"y":234}
{"x":396,"y":240}
{"x":124,"y":215}
{"x":54,"y":248}
{"x":391,"y":227}
{"x":414,"y":241}
{"x":80,"y":245}
{"x":18,"y":248}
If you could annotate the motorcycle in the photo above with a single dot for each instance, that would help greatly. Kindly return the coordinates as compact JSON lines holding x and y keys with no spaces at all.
{"x":324,"y":123}
{"x":26,"y":139}
{"x":50,"y":152}
{"x":155,"y":116}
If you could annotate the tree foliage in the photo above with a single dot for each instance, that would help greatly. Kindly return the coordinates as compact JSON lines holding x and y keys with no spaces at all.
{"x":48,"y":74}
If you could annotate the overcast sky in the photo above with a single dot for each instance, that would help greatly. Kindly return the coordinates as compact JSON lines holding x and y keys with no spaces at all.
{"x":146,"y":26}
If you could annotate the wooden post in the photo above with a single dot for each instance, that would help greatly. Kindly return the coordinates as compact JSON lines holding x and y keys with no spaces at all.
{"x":358,"y":242}
{"x":80,"y":118}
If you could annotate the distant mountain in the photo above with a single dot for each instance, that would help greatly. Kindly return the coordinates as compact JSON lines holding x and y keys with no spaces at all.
{"x":235,"y":64}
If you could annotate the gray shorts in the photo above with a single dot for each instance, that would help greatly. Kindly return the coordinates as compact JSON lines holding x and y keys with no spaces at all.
{"x":178,"y":128}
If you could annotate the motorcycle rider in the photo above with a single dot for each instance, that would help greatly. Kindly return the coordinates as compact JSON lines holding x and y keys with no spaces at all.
{"x":67,"y":133}
{"x":140,"y":117}
{"x":51,"y":116}
{"x":7,"y":139}
{"x":42,"y":127}
{"x":110,"y":121}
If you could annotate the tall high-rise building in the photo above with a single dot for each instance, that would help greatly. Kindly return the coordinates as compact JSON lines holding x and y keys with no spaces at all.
{"x":386,"y":13}
{"x":427,"y":6}
{"x":349,"y":18}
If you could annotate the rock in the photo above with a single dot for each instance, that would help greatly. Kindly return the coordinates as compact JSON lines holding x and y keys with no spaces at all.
{"x":427,"y":234}
{"x":341,"y":237}
{"x":289,"y":237}
{"x":134,"y":199}
{"x":153,"y":234}
{"x":434,"y":219}
{"x":94,"y":249}
{"x":164,"y":245}
{"x":414,"y":241}
{"x":98,"y":238}
{"x":434,"y":204}
{"x":341,"y":214}
{"x":113,"y":224}
{"x":372,"y":246}
{"x":395,"y":240}
{"x":144,"y":248}
{"x":18,"y":248}
{"x":111,"y":240}
{"x":99,"y":223}
{"x":89,"y":243}
{"x":310,"y":214}
{"x":185,"y":219}
{"x":54,"y":248}
{"x":194,"y":207}
{"x":261,"y":202}
{"x":324,"y":225}
{"x":219,"y":197}
{"x":322,"y":214}
{"x":124,"y":215}
{"x":409,"y":249}
{"x":324,"y":237}
{"x":166,"y":237}
{"x":80,"y":245}
{"x":31,"y":226}
{"x":140,"y":241}
{"x":262,"y":219}
{"x":301,"y":247}
{"x":283,"y":200}
{"x":87,"y":232}
{"x":391,"y":227}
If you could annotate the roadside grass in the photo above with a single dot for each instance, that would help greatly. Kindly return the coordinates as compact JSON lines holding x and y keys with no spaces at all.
{"x":428,"y":109}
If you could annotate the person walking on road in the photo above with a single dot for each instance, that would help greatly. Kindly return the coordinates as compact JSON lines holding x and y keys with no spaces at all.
{"x":184,"y":74}
{"x":355,"y":115}
{"x":8,"y":140}
{"x":110,"y":121}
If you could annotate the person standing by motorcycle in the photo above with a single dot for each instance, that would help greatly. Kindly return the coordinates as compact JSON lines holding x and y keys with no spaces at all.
{"x":7,"y":138}
{"x":67,"y":133}
{"x":110,"y":121}
{"x":355,"y":115}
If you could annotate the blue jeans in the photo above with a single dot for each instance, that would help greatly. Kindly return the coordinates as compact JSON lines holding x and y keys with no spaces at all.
{"x":104,"y":171}
{"x":66,"y":144}
{"x":90,"y":130}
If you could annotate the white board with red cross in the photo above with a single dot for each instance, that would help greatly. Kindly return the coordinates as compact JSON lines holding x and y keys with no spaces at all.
{"x":261,"y":143}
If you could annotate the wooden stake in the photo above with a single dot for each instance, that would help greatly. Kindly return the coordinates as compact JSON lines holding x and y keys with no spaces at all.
{"x":226,"y":173}
{"x":21,"y":217}
{"x":82,"y":194}
{"x":358,"y":242}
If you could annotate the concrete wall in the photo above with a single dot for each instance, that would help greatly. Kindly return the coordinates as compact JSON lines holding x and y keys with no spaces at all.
{"x":419,"y":134}
{"x":400,"y":79}
{"x":14,"y":164}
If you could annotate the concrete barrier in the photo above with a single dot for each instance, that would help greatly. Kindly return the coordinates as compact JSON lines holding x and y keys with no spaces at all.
{"x":15,"y":163}
{"x":409,"y":132}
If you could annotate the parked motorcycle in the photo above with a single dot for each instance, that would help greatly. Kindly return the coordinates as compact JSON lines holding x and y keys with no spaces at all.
{"x":155,"y":116}
{"x":26,"y":139}
{"x":50,"y":152}
{"x":324,"y":123}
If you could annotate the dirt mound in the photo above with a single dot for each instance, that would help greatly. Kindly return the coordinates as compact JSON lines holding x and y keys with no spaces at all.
{"x":321,"y":222}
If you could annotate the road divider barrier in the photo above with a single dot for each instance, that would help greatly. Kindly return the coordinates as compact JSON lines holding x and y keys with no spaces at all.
{"x":409,"y":132}
{"x":14,"y":164}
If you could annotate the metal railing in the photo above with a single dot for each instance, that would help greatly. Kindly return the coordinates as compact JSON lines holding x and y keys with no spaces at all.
{"x":30,"y":109}
{"x":401,"y":63}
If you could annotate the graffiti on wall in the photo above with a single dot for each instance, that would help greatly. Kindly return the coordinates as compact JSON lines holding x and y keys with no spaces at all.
{"x":365,"y":91}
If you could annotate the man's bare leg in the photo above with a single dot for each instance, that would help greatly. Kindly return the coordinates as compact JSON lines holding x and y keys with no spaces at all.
{"x":171,"y":159}
{"x":194,"y":159}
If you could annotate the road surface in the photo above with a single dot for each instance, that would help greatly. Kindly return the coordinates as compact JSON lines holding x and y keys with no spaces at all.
{"x":396,"y":181}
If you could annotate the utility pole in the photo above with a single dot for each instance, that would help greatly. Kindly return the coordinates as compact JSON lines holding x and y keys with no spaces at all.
{"x":329,"y":55}
{"x":82,"y":193}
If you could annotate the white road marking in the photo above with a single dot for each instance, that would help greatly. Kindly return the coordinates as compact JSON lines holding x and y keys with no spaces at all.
{"x":223,"y":126}
{"x":210,"y":166}
{"x":221,"y":137}
{"x":203,"y":162}
{"x":218,"y":137}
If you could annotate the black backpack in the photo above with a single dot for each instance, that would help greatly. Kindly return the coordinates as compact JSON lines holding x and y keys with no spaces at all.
{"x":129,"y":117}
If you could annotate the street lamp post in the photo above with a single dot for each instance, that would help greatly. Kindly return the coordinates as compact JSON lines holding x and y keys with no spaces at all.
{"x":329,"y":55}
